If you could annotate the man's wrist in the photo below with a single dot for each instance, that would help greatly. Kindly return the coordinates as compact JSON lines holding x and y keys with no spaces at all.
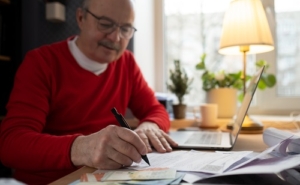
{"x":76,"y":149}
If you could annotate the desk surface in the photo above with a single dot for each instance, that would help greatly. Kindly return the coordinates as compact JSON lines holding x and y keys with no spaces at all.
{"x":250,"y":142}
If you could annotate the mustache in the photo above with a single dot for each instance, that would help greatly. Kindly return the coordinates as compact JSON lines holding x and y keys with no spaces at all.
{"x":109,"y":44}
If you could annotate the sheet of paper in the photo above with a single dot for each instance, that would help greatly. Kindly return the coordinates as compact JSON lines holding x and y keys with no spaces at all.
{"x":192,"y":177}
{"x":147,"y":174}
{"x":122,"y":175}
{"x":266,"y":166}
{"x":175,"y":181}
{"x":99,"y":183}
{"x":261,"y":163}
{"x":208,"y":162}
{"x":281,"y":147}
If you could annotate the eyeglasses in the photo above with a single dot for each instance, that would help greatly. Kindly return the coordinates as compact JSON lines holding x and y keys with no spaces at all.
{"x":106,"y":25}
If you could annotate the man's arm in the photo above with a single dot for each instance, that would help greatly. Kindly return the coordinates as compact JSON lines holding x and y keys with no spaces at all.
{"x":154,"y":120}
{"x":23,"y":145}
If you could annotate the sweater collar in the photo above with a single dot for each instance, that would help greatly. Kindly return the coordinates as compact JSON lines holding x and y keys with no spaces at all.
{"x":83,"y":61}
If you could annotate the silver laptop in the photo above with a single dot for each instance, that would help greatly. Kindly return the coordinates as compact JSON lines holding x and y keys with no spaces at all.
{"x":219,"y":140}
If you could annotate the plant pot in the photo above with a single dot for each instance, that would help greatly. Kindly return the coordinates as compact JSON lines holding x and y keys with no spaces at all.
{"x":226,"y":98}
{"x":179,"y":111}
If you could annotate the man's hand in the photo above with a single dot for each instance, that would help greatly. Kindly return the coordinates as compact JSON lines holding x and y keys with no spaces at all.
{"x":110,"y":148}
{"x":151,"y":134}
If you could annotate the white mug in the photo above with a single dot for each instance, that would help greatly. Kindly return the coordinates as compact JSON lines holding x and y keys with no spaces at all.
{"x":208,"y":114}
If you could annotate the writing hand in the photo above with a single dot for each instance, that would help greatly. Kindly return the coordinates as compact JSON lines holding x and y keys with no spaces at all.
{"x":110,"y":148}
{"x":151,"y":134}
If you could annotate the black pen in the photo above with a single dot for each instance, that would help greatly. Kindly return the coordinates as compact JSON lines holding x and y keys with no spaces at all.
{"x":123,"y":123}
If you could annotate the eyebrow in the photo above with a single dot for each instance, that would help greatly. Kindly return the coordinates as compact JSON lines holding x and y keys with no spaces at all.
{"x":109,"y":19}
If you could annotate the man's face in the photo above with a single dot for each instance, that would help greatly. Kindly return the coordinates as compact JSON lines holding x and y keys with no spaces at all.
{"x":97,"y":44}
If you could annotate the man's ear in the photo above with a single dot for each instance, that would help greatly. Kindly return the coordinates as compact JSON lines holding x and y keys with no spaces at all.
{"x":80,"y":16}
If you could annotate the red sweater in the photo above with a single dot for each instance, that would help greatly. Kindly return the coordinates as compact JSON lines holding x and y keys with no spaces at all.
{"x":54,"y":100}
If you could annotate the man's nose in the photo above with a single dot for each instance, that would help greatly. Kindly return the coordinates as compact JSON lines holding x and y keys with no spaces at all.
{"x":115,"y":35}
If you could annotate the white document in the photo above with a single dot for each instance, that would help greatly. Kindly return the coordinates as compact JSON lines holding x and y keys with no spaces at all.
{"x":260,"y":163}
{"x":273,"y":136}
{"x":207,"y":162}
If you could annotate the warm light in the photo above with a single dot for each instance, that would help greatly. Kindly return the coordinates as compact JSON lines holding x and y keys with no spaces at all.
{"x":245,"y":24}
{"x":246,"y":31}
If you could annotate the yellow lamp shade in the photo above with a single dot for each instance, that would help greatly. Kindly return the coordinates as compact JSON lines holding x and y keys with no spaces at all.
{"x":245,"y":24}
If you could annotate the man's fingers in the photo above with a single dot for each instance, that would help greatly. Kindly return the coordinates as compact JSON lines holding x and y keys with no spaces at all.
{"x":109,"y":165}
{"x":145,"y":139}
{"x":156,"y":142}
{"x":170,"y":140}
{"x":133,"y":139}
{"x":124,"y":153}
{"x":164,"y":142}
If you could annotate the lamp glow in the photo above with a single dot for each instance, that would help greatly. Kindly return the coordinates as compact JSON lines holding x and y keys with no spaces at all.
{"x":246,"y":31}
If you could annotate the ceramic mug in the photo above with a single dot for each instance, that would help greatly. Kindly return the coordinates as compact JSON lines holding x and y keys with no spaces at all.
{"x":208,"y":115}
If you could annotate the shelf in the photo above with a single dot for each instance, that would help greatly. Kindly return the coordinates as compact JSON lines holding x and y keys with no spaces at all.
{"x":4,"y":58}
{"x":4,"y":1}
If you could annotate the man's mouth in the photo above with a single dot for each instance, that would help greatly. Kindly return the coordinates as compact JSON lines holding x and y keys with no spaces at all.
{"x":109,"y":46}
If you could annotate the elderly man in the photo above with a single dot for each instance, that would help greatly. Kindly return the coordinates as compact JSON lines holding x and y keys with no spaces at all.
{"x":59,"y":115}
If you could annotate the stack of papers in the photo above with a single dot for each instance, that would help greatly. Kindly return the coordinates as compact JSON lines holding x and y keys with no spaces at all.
{"x":192,"y":166}
{"x":162,"y":176}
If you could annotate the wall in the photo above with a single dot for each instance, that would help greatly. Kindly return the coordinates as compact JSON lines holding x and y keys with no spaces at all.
{"x":38,"y":31}
{"x":144,"y":39}
{"x":149,"y":42}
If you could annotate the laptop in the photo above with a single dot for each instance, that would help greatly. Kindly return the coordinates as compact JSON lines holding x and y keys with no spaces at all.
{"x":219,"y":140}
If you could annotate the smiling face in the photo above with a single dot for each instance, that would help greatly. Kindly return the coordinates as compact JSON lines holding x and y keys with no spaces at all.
{"x":94,"y":43}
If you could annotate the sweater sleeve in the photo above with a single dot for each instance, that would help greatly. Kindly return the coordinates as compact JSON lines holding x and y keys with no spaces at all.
{"x":143,"y":102}
{"x":23,"y":145}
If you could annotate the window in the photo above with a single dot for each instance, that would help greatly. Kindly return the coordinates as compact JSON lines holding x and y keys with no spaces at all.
{"x":193,"y":27}
{"x":288,"y":44}
{"x":284,"y":20}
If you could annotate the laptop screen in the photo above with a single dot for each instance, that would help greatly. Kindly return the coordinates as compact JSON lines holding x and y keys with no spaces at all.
{"x":239,"y":118}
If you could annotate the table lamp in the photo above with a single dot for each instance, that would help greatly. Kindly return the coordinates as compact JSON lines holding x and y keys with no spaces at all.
{"x":246,"y":31}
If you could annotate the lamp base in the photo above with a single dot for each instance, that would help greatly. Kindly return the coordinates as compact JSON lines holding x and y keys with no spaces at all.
{"x":250,"y":126}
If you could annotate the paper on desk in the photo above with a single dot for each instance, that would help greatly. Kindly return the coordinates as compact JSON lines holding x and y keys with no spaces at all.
{"x":267,"y":166}
{"x":280,"y":147}
{"x":119,"y":175}
{"x":175,"y":181}
{"x":208,"y":162}
{"x":146,"y":174}
{"x":99,"y":183}
{"x":260,"y":163}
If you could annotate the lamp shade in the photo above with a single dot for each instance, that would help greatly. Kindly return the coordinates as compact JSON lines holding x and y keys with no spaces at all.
{"x":245,"y":24}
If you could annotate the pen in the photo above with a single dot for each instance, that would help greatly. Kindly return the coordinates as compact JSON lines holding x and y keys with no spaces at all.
{"x":123,"y":123}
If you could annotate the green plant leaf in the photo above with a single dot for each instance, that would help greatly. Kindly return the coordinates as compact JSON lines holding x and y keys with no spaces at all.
{"x":261,"y":85}
{"x":233,"y":79}
{"x":200,"y":65}
{"x":240,"y":97}
{"x":179,"y":81}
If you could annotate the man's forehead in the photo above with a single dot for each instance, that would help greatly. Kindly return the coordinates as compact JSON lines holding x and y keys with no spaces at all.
{"x":121,"y":11}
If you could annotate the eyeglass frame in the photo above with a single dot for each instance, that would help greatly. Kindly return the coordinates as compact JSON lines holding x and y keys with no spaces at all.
{"x":114,"y":25}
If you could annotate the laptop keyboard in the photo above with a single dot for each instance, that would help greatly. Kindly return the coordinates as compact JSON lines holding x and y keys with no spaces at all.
{"x":205,"y":138}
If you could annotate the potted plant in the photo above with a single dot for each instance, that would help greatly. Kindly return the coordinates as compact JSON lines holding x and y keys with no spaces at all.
{"x":222,"y":87}
{"x":180,"y":86}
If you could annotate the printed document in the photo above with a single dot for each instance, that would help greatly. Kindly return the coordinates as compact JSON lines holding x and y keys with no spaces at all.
{"x":196,"y":161}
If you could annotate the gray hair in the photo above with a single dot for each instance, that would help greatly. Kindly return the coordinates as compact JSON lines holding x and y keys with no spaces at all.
{"x":85,"y":4}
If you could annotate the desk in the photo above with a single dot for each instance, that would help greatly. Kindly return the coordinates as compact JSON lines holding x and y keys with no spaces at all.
{"x":254,"y":143}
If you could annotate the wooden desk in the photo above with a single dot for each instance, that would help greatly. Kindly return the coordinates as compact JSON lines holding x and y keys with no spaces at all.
{"x":250,"y":142}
